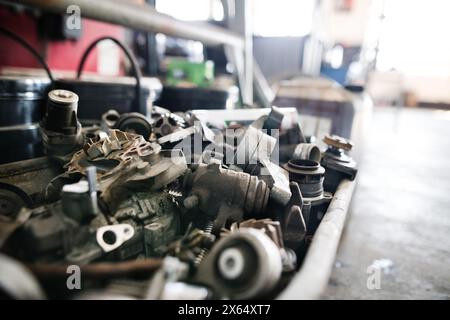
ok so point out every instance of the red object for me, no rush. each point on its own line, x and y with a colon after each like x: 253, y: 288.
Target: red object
x: 59, y: 55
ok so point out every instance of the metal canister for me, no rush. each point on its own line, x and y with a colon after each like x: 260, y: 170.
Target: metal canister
x: 22, y: 103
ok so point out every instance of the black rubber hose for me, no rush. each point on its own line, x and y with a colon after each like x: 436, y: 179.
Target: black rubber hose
x: 27, y: 46
x: 131, y: 58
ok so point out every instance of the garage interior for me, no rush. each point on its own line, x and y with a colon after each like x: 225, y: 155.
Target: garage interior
x: 343, y: 104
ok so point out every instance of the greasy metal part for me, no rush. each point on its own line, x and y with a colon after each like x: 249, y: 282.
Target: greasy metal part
x: 274, y: 231
x: 191, y: 244
x: 293, y: 135
x: 316, y: 268
x: 109, y: 119
x: 9, y: 224
x: 274, y: 119
x: 16, y: 282
x: 204, y: 250
x: 22, y: 101
x: 10, y: 204
x: 337, y: 163
x: 226, y: 195
x: 60, y: 128
x: 295, y: 218
x: 79, y: 200
x: 243, y: 265
x: 134, y: 122
x: 167, y: 124
x: 43, y: 233
x: 111, y: 237
x: 142, y: 17
x: 25, y: 179
x: 124, y: 160
x: 308, y: 174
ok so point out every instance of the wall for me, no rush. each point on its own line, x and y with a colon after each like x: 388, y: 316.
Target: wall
x: 278, y: 56
x: 346, y: 27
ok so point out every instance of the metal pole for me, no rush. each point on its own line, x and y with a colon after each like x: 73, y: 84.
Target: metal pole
x: 141, y: 17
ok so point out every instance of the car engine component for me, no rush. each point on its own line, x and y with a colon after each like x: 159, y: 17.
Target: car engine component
x: 225, y: 196
x: 339, y: 165
x: 165, y: 206
x: 243, y: 265
x: 61, y: 131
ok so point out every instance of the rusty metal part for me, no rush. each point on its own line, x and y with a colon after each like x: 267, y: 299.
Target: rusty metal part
x: 225, y: 195
x: 207, y: 232
x: 338, y: 142
x: 101, y: 270
x: 27, y: 179
x: 190, y: 246
x: 124, y: 159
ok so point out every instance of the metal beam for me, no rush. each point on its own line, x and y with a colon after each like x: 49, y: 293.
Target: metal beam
x: 141, y: 17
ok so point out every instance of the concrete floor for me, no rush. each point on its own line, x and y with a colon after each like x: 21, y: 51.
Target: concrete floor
x: 400, y: 211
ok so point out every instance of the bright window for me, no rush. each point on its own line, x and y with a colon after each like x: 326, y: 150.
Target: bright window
x: 191, y: 10
x: 282, y: 18
x: 415, y: 37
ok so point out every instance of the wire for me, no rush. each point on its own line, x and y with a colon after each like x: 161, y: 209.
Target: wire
x: 131, y: 58
x: 26, y: 45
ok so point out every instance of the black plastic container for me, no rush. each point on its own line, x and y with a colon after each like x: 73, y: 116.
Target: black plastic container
x: 22, y: 103
x: 99, y: 96
x: 184, y: 99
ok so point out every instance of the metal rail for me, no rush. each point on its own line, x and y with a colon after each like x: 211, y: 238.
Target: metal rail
x: 312, y: 278
x: 141, y: 17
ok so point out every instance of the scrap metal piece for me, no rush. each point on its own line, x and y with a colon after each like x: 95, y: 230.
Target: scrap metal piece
x: 79, y: 200
x: 246, y: 264
x: 109, y: 119
x: 167, y: 124
x: 277, y: 179
x: 125, y: 160
x: 111, y: 237
x: 338, y: 164
x: 60, y: 128
x: 308, y: 174
x: 134, y: 122
x: 226, y: 195
x: 273, y: 230
x: 338, y: 142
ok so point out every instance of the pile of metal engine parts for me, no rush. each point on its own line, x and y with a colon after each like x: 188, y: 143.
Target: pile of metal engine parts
x: 162, y: 207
